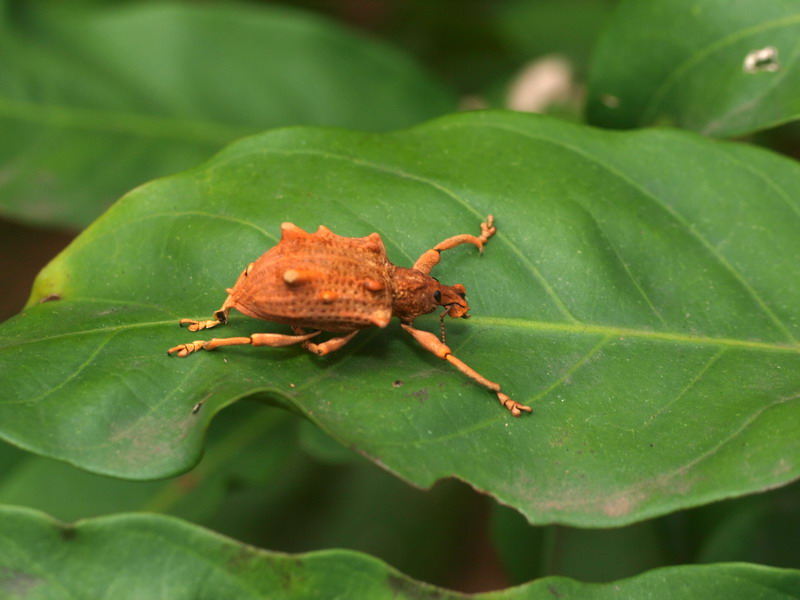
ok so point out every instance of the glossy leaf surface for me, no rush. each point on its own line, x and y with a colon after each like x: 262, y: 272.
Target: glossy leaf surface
x: 641, y: 294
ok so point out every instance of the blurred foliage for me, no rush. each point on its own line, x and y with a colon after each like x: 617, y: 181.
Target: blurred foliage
x: 301, y: 491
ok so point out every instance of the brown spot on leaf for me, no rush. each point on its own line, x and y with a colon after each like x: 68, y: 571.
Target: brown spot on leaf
x: 17, y: 584
x: 618, y: 506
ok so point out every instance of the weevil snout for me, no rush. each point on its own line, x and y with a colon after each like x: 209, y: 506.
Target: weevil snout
x: 453, y: 298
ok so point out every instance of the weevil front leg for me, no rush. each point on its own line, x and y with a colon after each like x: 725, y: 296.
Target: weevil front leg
x: 276, y: 340
x: 434, y: 345
x: 221, y: 315
x: 328, y: 346
x: 430, y: 258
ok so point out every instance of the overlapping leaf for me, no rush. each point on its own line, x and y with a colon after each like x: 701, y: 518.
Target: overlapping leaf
x: 722, y: 68
x: 641, y: 293
x: 148, y: 556
x: 95, y: 102
x: 254, y: 484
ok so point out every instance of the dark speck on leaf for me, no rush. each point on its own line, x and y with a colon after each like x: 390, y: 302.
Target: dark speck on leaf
x: 421, y: 395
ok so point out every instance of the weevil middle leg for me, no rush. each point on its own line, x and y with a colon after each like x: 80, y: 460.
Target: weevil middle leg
x: 276, y: 340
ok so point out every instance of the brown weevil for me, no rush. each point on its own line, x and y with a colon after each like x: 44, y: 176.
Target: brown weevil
x: 326, y: 282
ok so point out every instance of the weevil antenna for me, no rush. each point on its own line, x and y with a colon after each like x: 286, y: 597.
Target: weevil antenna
x: 441, y: 319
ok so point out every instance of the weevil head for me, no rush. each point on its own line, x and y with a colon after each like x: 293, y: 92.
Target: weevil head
x: 415, y: 294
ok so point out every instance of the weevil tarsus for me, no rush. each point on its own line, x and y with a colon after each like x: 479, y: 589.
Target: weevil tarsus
x: 220, y: 318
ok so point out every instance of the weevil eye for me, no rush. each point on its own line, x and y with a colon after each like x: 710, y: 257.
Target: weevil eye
x: 437, y: 295
x: 463, y: 295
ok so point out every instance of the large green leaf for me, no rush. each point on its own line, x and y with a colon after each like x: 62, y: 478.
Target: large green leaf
x: 96, y: 101
x: 641, y: 293
x: 682, y: 62
x: 149, y: 556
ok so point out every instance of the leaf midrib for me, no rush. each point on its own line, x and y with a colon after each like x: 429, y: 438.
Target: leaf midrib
x: 521, y: 324
x: 629, y: 332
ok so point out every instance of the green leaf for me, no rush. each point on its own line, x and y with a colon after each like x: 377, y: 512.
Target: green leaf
x: 236, y: 452
x: 149, y: 556
x: 640, y: 293
x: 96, y: 101
x: 682, y: 62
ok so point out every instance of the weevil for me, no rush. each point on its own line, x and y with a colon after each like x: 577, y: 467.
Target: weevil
x: 326, y: 282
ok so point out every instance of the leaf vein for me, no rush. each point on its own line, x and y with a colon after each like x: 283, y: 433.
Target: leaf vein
x: 714, y: 252
x: 689, y: 386
x: 573, y: 368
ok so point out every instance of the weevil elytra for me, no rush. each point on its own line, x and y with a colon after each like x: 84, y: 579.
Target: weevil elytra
x: 326, y: 282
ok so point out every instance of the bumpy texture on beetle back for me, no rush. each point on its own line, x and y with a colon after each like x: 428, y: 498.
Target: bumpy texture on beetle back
x: 319, y: 281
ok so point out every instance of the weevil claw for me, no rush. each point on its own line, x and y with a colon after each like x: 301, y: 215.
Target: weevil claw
x: 514, y: 407
x: 184, y: 350
x: 199, y: 325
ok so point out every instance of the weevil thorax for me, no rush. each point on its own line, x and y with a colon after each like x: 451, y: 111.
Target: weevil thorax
x: 414, y: 293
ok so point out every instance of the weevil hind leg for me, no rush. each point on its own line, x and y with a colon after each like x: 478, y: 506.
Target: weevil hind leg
x: 221, y: 315
x: 430, y: 258
x: 276, y: 340
x: 326, y: 347
x: 435, y: 346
